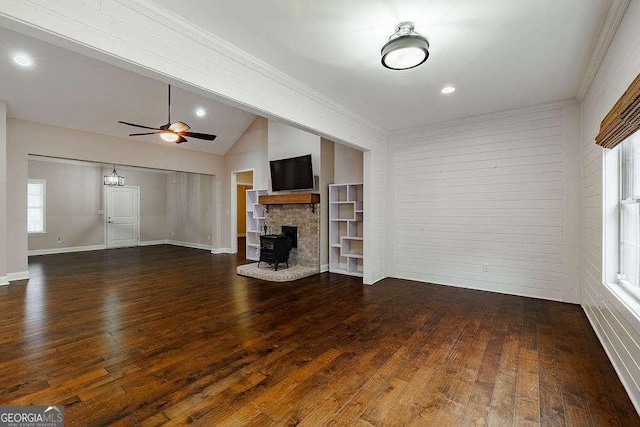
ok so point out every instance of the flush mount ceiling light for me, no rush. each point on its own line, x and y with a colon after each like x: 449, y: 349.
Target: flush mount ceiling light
x: 22, y: 60
x: 200, y: 112
x: 405, y: 49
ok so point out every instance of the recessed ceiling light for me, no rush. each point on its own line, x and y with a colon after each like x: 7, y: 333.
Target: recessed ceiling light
x: 22, y: 60
x: 447, y: 90
x: 200, y: 112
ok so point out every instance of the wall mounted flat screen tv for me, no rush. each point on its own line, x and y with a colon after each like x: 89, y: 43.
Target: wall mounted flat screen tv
x: 295, y: 173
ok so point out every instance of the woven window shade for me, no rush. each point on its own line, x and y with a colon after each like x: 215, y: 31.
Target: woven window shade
x: 623, y: 119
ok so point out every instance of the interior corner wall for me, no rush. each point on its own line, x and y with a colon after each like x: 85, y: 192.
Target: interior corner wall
x: 25, y: 137
x: 4, y: 247
x: 615, y: 324
x: 490, y: 202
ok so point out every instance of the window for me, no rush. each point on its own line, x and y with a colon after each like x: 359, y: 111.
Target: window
x: 629, y: 211
x: 36, y: 198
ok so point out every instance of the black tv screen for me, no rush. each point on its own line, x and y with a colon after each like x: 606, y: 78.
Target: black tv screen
x: 295, y: 173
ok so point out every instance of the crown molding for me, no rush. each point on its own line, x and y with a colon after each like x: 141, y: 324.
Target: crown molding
x: 612, y: 20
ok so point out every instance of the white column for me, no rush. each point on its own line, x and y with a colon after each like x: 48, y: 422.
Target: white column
x: 3, y: 194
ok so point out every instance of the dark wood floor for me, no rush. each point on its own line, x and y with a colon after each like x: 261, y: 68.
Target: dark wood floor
x: 164, y: 334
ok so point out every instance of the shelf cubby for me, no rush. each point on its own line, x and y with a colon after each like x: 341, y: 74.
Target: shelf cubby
x: 346, y: 230
x: 255, y: 223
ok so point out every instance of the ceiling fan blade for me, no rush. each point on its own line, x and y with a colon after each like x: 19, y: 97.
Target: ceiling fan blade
x: 146, y: 133
x: 181, y: 140
x: 206, y: 136
x: 138, y: 126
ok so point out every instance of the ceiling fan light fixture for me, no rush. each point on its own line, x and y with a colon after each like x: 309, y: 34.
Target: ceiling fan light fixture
x: 405, y: 49
x: 178, y: 127
x: 169, y: 136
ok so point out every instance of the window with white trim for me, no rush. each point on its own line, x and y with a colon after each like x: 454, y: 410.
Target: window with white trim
x: 629, y: 211
x: 36, y: 206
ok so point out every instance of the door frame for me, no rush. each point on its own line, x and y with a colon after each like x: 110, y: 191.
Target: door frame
x: 106, y: 211
x: 234, y: 205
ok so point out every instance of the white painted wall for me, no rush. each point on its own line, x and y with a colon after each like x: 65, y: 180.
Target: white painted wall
x: 500, y: 190
x: 348, y: 164
x: 24, y: 137
x: 190, y: 208
x: 174, y: 206
x: 73, y: 198
x: 617, y: 327
x: 248, y: 153
x: 286, y: 141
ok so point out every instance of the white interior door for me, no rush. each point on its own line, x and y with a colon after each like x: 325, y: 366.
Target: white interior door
x: 123, y: 213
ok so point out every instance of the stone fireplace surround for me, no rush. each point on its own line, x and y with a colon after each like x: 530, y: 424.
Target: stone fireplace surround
x: 307, y: 221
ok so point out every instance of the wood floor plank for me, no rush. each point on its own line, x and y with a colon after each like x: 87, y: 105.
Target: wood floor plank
x: 167, y: 336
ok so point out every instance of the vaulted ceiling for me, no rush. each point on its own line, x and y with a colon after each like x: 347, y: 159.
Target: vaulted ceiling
x: 67, y: 89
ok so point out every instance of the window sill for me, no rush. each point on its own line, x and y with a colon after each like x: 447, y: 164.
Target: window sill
x: 37, y: 234
x: 630, y: 298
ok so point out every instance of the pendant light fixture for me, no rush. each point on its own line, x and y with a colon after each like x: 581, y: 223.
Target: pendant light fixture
x: 405, y: 49
x: 113, y: 178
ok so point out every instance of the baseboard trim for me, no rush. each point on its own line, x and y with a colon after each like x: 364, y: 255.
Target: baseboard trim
x: 152, y: 242
x: 66, y: 250
x: 189, y: 245
x: 218, y: 251
x: 324, y: 268
x: 4, y: 280
x: 609, y: 349
x: 20, y: 275
x: 532, y: 293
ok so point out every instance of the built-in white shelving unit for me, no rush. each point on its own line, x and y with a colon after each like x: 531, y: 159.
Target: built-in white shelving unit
x: 255, y: 223
x: 346, y: 232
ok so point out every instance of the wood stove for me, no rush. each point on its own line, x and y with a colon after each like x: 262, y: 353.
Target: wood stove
x: 275, y: 249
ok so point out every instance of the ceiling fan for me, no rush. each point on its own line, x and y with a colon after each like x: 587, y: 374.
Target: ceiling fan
x: 171, y: 132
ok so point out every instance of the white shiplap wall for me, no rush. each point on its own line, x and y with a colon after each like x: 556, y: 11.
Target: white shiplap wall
x: 616, y: 325
x: 490, y: 202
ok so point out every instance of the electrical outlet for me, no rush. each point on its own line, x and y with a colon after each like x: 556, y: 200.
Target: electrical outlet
x: 173, y: 234
x: 485, y: 267
x: 208, y: 237
x: 59, y: 239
